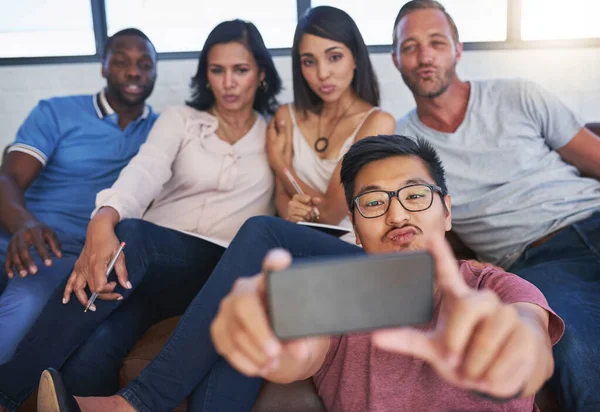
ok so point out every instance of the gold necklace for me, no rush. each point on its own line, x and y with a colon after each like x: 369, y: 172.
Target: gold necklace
x: 322, y: 142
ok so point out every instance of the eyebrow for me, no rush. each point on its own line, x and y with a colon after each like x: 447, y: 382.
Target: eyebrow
x: 436, y: 34
x: 234, y: 65
x: 328, y: 50
x: 408, y: 182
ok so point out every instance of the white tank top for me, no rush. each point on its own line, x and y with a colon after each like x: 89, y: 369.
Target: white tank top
x: 317, y: 172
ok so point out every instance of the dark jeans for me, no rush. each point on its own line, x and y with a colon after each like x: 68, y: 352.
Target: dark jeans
x: 188, y: 363
x: 22, y: 299
x: 567, y: 271
x: 166, y: 268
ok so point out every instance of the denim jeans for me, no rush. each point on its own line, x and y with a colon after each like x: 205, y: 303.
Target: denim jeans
x: 24, y: 298
x: 188, y: 364
x: 567, y: 270
x: 166, y: 268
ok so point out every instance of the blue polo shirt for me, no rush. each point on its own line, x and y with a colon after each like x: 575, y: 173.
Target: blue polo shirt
x: 82, y: 149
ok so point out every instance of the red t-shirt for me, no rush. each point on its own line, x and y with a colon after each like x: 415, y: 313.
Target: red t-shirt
x: 357, y: 377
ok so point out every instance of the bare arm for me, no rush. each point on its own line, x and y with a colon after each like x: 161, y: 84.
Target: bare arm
x: 583, y: 152
x: 332, y: 207
x: 281, y: 199
x: 17, y: 172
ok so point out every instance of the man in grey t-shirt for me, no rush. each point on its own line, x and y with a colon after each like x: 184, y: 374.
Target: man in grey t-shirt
x: 514, y: 157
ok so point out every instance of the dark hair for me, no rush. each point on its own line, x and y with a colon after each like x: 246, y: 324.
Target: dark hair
x: 246, y: 33
x: 423, y: 5
x: 125, y: 32
x: 381, y: 147
x: 334, y: 24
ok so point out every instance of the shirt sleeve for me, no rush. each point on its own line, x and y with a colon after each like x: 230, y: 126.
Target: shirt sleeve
x: 39, y: 135
x: 143, y: 178
x: 510, y: 288
x: 556, y: 122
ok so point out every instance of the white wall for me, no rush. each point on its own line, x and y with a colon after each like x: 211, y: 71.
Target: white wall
x: 572, y: 74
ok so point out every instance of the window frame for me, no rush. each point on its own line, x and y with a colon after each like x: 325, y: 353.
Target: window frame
x: 512, y: 42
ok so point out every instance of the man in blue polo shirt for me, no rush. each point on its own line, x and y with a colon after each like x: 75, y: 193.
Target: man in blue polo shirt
x: 67, y: 150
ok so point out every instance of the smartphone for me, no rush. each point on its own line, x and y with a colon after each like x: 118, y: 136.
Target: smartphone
x: 335, y: 296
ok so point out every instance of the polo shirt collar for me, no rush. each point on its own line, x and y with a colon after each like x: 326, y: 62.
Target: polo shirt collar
x: 103, y: 108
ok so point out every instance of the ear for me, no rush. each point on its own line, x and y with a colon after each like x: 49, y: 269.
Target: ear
x: 351, y: 217
x: 395, y: 59
x: 459, y: 52
x: 104, y: 69
x: 448, y: 213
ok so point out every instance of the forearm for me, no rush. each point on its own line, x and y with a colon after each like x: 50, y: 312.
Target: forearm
x: 105, y: 218
x: 13, y: 212
x: 282, y: 199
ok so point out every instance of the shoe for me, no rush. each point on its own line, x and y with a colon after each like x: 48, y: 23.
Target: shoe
x: 53, y: 396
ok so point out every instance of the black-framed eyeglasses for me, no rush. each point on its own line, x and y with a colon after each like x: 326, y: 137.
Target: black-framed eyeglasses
x: 413, y: 198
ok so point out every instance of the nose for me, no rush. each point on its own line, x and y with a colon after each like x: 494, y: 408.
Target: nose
x: 228, y: 80
x: 425, y: 55
x: 322, y: 71
x: 133, y: 72
x: 396, y: 215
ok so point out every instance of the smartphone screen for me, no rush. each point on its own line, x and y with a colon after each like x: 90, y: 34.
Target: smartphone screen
x: 346, y: 294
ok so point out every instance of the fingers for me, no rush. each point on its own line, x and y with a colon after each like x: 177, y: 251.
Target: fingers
x: 121, y: 271
x: 448, y: 277
x: 15, y: 259
x: 298, y: 211
x: 241, y: 331
x: 97, y: 279
x: 52, y: 240
x: 108, y: 292
x: 25, y: 257
x: 489, y: 337
x: 83, y: 298
x: 69, y: 287
x: 461, y: 319
x: 409, y: 342
x: 40, y: 245
x: 511, y: 367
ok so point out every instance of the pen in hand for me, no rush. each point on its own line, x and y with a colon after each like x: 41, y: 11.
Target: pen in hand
x: 111, y: 265
x: 299, y: 190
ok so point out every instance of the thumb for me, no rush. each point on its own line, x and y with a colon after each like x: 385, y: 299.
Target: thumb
x: 277, y: 259
x: 447, y: 275
x: 408, y: 342
x: 316, y: 201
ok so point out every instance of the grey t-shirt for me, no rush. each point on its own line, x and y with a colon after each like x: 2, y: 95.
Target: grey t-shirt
x: 509, y: 185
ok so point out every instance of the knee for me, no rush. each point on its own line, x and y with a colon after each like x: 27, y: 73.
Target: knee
x: 258, y: 227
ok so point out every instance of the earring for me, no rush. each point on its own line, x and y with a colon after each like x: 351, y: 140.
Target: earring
x: 208, y: 85
x: 264, y: 85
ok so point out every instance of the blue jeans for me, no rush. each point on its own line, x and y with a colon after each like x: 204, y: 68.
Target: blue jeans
x: 24, y: 298
x: 166, y: 268
x: 567, y: 270
x: 188, y: 364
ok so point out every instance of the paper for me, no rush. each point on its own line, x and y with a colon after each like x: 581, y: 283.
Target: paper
x: 338, y: 231
x: 224, y: 244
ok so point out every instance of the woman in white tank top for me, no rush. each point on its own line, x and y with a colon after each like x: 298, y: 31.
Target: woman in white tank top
x: 336, y: 99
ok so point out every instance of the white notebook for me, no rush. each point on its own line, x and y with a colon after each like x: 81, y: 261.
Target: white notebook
x: 337, y: 231
x: 223, y: 243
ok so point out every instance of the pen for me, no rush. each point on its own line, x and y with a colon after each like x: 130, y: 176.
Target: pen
x: 299, y: 189
x: 111, y: 265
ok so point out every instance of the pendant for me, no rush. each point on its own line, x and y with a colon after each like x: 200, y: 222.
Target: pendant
x: 321, y: 144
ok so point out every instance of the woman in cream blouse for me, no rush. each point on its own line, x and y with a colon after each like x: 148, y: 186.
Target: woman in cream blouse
x: 203, y: 170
